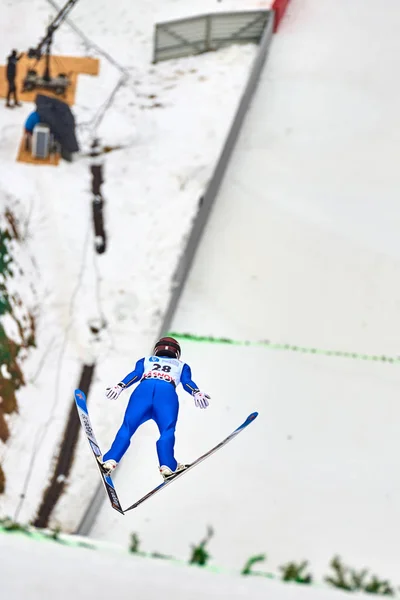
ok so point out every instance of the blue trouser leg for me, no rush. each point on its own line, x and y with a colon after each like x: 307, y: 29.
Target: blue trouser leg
x: 165, y: 414
x: 138, y: 411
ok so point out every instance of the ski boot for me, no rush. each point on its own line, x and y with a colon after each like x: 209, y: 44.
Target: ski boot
x: 107, y: 466
x: 167, y: 473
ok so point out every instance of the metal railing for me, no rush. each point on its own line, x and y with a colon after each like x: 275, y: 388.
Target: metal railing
x: 205, y: 33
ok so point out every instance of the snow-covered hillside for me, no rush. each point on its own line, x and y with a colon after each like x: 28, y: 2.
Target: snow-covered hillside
x: 54, y: 569
x: 172, y: 119
x: 301, y: 249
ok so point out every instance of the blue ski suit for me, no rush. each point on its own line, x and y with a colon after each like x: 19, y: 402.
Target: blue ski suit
x: 154, y: 398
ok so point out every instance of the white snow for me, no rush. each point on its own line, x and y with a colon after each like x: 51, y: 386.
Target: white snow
x: 301, y: 248
x: 152, y: 189
x: 51, y: 569
x: 307, y: 221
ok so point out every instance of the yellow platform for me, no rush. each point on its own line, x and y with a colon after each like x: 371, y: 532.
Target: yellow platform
x: 25, y: 156
x: 71, y: 65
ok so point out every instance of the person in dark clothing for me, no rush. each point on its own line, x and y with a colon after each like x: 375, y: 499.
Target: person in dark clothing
x: 12, y: 61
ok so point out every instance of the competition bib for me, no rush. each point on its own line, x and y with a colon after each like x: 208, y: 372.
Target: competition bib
x: 163, y: 368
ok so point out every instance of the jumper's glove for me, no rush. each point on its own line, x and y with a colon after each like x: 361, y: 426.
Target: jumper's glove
x: 201, y: 400
x: 115, y: 391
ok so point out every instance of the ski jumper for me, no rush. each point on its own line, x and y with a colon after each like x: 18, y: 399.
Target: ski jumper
x: 154, y: 398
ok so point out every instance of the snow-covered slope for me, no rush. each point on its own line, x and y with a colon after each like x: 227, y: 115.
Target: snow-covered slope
x: 51, y: 569
x: 307, y: 220
x: 301, y: 249
x: 171, y: 119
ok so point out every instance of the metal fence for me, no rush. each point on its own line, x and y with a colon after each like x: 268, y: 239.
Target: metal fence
x: 195, y: 35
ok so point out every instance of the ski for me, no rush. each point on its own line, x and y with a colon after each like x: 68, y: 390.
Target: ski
x: 163, y: 485
x: 80, y: 401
